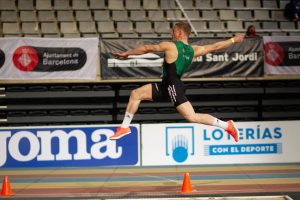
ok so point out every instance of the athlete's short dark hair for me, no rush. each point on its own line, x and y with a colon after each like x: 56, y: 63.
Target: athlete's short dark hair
x: 185, y: 27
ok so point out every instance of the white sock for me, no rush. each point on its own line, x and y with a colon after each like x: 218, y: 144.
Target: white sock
x: 219, y: 123
x: 127, y: 120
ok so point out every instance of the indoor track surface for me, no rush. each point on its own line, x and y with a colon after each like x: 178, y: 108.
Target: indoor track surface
x: 207, y: 181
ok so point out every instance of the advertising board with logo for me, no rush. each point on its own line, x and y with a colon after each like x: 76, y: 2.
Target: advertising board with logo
x: 2, y: 58
x: 239, y: 60
x: 48, y: 58
x: 282, y: 54
x: 67, y: 146
x: 195, y: 144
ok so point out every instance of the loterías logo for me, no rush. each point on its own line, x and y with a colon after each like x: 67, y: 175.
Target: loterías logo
x: 180, y: 142
x: 66, y: 146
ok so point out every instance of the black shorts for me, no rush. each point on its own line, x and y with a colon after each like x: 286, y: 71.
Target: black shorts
x: 169, y: 91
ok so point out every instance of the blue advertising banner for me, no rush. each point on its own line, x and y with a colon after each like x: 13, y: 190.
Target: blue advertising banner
x: 67, y: 146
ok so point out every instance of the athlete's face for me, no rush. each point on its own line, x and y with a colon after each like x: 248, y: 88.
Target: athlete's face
x: 176, y: 33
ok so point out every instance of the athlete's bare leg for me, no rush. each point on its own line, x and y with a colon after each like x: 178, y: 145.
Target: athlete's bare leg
x: 187, y: 111
x: 137, y: 95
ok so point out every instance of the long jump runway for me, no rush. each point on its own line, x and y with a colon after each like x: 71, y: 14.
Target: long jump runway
x: 146, y: 182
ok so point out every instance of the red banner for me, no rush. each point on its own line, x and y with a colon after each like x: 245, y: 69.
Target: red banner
x: 48, y: 58
x: 282, y: 55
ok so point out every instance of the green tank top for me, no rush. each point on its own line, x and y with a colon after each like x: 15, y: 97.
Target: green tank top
x: 185, y: 57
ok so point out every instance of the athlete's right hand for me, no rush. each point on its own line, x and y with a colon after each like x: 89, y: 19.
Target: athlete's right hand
x: 239, y: 38
x: 120, y: 55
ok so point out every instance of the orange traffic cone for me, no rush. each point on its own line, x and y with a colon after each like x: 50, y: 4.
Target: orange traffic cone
x: 6, y: 190
x: 186, y: 186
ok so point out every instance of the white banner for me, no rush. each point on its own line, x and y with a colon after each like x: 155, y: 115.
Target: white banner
x: 282, y: 54
x: 48, y: 58
x: 195, y: 144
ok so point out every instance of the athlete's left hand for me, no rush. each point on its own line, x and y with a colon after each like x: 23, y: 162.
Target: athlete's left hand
x: 120, y: 55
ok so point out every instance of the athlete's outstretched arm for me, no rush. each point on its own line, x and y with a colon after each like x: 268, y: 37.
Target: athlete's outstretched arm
x: 202, y: 50
x: 163, y: 46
